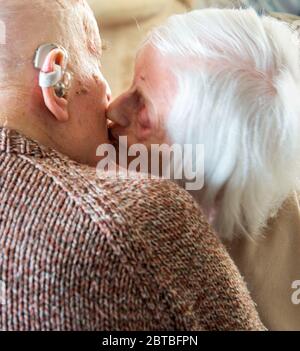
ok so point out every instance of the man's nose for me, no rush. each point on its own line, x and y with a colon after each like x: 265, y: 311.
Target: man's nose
x: 117, y: 114
x: 105, y: 86
x: 108, y: 91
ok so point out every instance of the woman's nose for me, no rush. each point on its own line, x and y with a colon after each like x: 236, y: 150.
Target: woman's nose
x: 116, y: 113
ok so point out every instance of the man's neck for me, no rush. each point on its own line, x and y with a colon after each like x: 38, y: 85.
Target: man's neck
x: 30, y: 124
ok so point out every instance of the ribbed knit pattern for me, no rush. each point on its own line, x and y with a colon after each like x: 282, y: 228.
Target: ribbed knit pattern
x: 79, y: 252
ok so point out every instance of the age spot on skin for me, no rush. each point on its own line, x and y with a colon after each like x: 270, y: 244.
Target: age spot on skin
x: 96, y: 78
x: 82, y: 90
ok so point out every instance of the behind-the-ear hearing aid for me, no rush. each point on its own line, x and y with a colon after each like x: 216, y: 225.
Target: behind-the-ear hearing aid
x: 59, y: 79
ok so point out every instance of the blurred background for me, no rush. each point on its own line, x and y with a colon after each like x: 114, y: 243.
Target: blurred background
x: 124, y: 24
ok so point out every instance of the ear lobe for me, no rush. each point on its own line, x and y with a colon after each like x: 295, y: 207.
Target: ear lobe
x: 58, y: 106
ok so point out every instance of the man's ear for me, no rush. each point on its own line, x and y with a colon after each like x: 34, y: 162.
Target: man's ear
x: 55, y: 63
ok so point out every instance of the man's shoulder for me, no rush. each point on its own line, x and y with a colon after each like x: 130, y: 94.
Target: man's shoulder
x: 136, y: 208
x: 117, y: 195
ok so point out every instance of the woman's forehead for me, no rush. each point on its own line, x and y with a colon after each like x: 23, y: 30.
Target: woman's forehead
x: 150, y: 63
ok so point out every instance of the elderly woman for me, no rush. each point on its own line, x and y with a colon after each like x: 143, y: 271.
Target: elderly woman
x: 123, y: 25
x: 77, y: 251
x: 229, y: 79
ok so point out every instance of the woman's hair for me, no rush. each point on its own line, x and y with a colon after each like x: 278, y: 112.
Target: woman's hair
x: 238, y: 94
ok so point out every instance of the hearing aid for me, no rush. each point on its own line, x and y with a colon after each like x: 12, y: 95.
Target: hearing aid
x: 59, y: 78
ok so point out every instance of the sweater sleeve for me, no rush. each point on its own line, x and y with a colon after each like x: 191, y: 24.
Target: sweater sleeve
x: 123, y: 300
x: 181, y: 272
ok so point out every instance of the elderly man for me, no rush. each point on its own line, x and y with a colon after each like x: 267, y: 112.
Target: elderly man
x: 78, y: 252
x: 229, y: 79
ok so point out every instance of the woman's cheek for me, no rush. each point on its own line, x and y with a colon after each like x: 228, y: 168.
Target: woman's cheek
x: 144, y: 118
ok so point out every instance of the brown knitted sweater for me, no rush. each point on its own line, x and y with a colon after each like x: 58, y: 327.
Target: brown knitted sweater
x: 82, y: 253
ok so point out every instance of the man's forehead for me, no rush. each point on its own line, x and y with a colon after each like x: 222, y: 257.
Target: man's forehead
x: 67, y: 3
x: 70, y: 23
x: 92, y: 33
x: 38, y: 5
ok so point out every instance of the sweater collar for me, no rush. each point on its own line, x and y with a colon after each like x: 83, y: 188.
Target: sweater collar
x: 13, y: 142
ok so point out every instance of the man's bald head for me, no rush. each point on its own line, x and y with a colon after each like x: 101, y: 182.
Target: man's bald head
x: 74, y: 123
x: 69, y: 23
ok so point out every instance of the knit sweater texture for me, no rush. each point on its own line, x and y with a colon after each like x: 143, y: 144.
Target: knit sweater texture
x: 81, y: 251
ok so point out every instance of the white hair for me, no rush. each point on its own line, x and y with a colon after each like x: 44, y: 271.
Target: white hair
x: 239, y: 95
